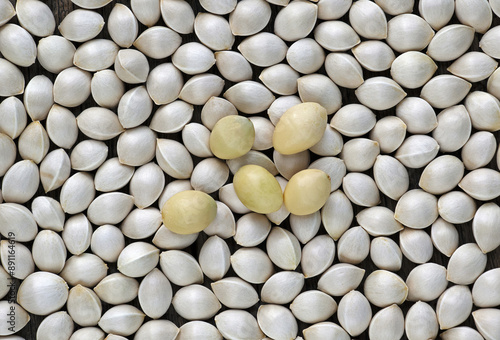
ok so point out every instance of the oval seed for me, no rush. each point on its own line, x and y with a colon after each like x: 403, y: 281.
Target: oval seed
x: 307, y: 191
x: 189, y: 212
x: 232, y: 137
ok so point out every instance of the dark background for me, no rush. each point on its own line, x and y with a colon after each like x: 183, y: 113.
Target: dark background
x: 61, y: 8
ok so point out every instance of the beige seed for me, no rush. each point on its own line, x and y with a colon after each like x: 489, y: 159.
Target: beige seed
x: 485, y: 320
x: 359, y: 154
x: 263, y: 49
x: 107, y: 242
x: 484, y: 111
x: 283, y: 248
x: 17, y: 219
x: 479, y: 150
x: 252, y: 265
x: 361, y: 189
x: 85, y: 269
x: 325, y: 330
x: 238, y: 324
x: 391, y: 176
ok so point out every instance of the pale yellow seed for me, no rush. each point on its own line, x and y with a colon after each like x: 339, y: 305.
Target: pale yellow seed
x: 257, y: 189
x: 189, y: 212
x: 300, y: 127
x: 307, y: 191
x: 232, y: 137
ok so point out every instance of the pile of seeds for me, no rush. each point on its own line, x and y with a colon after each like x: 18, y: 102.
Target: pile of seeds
x: 246, y: 170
